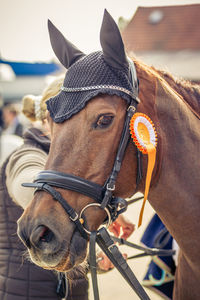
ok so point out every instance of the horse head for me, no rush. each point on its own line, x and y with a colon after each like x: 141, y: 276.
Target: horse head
x: 86, y: 119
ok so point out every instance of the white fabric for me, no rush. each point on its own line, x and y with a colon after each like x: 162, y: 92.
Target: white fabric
x: 8, y: 143
x: 175, y: 247
x: 23, y: 166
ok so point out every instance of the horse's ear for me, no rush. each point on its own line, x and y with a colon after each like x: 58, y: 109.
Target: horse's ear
x: 111, y: 43
x: 65, y: 51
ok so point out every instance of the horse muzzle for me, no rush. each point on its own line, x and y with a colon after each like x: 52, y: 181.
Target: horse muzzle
x: 51, y: 247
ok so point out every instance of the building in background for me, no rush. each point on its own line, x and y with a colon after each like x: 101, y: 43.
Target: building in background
x: 167, y: 37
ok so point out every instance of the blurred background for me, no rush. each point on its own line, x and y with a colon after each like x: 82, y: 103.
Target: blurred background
x: 165, y: 34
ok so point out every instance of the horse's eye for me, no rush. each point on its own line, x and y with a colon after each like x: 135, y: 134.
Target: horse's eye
x: 104, y: 121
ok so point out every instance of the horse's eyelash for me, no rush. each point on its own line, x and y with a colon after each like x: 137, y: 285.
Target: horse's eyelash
x: 95, y: 124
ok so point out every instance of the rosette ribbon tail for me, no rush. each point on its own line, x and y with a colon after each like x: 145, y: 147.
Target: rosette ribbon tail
x: 151, y: 151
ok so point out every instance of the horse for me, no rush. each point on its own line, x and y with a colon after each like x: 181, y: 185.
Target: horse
x: 87, y: 121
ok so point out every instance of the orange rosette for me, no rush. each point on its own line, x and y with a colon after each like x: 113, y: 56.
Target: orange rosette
x: 144, y: 136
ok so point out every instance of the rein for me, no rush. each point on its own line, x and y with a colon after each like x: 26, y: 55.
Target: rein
x: 103, y: 196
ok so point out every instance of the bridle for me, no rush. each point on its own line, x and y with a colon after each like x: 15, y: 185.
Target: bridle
x: 103, y: 196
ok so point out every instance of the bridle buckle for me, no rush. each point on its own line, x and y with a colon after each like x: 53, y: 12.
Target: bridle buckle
x: 111, y: 247
x: 75, y: 218
x: 110, y: 187
x: 131, y: 107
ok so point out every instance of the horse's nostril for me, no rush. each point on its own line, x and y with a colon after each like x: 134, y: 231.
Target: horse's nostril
x: 41, y: 234
x: 46, y: 235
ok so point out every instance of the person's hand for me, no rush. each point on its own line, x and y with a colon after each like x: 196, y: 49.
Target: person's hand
x: 104, y: 263
x: 127, y: 228
x: 123, y: 225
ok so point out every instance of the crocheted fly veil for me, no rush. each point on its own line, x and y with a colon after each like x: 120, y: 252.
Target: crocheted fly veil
x: 102, y: 72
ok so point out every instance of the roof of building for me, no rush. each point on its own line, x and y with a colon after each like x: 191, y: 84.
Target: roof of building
x: 164, y: 28
x: 32, y: 69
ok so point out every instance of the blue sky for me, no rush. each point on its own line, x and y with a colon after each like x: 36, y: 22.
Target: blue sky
x: 23, y: 29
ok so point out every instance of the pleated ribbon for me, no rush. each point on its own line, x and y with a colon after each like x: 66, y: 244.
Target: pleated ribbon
x: 145, y: 138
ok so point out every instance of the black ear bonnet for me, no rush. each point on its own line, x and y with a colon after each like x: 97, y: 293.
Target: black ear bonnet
x: 101, y: 72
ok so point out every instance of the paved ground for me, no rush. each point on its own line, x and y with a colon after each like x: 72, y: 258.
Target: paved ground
x: 112, y: 285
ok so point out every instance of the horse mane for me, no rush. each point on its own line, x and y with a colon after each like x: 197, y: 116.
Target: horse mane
x: 189, y: 91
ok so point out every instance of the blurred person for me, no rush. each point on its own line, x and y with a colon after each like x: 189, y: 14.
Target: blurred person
x: 1, y: 123
x: 1, y: 119
x: 19, y: 278
x: 12, y: 124
x: 24, y: 280
x: 1, y: 112
x: 8, y: 142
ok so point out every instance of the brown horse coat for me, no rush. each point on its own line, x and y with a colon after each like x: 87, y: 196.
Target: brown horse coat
x: 83, y: 146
